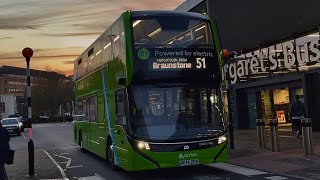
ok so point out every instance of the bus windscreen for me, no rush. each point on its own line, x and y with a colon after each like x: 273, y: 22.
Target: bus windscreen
x: 174, y: 113
x: 175, y: 46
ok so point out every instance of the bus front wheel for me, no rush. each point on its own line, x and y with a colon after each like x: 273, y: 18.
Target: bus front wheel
x: 81, y: 143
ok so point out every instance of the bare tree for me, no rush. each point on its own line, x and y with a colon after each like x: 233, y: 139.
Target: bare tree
x: 51, y: 91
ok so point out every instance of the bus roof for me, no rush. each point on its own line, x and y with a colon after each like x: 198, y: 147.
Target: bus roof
x: 136, y: 14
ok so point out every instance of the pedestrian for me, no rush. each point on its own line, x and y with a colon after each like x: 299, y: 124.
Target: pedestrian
x: 297, y: 112
x: 70, y: 118
x: 4, y: 151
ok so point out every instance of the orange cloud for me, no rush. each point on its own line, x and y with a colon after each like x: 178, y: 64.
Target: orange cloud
x: 62, y: 30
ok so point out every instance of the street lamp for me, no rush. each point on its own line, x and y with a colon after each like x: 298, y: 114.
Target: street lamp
x: 27, y: 53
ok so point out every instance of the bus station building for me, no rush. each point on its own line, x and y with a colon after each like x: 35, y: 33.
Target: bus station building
x: 277, y: 57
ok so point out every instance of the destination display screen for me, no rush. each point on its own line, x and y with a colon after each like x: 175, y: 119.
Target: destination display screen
x: 176, y: 60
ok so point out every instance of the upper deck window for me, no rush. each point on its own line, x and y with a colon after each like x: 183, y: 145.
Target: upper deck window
x: 90, y: 52
x: 171, y: 31
x: 79, y: 61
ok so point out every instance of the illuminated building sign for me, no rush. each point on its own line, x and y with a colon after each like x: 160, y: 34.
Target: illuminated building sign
x: 299, y: 54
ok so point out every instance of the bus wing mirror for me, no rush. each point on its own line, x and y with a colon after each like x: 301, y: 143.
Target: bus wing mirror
x: 122, y: 81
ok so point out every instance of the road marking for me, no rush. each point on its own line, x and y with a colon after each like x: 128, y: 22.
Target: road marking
x: 69, y: 160
x: 54, y: 153
x: 71, y: 167
x: 95, y: 177
x: 276, y: 178
x: 237, y: 169
x: 96, y: 174
x: 58, y: 166
x: 24, y: 136
x: 71, y: 147
x: 206, y: 177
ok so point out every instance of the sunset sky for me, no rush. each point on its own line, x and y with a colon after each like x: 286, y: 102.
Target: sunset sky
x: 58, y: 31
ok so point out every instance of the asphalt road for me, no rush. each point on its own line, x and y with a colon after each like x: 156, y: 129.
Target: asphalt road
x: 56, y: 140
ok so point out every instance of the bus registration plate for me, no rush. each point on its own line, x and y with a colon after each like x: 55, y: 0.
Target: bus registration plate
x: 188, y: 162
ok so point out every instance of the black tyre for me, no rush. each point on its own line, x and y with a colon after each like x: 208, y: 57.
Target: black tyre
x: 82, y: 149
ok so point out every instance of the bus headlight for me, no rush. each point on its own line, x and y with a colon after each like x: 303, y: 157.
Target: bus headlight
x: 143, y: 145
x: 222, y: 139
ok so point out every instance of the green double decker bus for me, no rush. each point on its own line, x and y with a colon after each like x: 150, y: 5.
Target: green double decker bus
x: 147, y: 92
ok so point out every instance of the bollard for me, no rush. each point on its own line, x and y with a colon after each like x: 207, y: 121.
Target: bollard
x: 261, y: 134
x: 31, y: 157
x: 307, y: 136
x: 274, y: 135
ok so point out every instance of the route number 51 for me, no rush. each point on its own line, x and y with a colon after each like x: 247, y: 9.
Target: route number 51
x: 201, y: 63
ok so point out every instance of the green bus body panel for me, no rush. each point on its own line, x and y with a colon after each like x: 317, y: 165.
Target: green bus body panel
x: 129, y: 54
x: 128, y: 159
x: 217, y: 41
x: 131, y: 160
x: 95, y: 134
x: 171, y: 159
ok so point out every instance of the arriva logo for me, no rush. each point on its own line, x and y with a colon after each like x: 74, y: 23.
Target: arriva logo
x: 182, y: 156
x: 143, y: 54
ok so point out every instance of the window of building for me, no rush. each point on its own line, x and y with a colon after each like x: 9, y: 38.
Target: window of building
x: 2, y: 107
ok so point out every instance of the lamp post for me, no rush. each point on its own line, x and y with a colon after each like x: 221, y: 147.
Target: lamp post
x: 27, y: 53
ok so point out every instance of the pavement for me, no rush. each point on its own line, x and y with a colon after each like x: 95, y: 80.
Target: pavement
x: 44, y: 167
x: 290, y: 160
